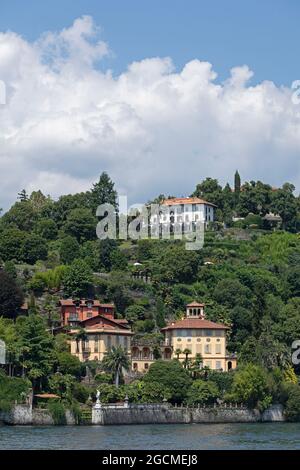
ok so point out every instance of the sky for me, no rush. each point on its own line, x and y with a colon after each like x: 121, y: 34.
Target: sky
x: 160, y: 94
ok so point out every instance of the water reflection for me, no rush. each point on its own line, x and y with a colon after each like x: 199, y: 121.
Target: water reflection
x: 194, y: 436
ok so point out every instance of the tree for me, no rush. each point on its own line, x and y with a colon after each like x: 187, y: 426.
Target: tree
x: 81, y: 224
x: 250, y: 385
x: 21, y: 215
x: 237, y: 186
x: 10, y: 268
x: 69, y: 250
x: 11, y: 244
x: 11, y: 296
x: 177, y: 353
x: 22, y: 195
x: 114, y: 361
x: 172, y: 376
x: 102, y: 192
x: 118, y: 260
x: 203, y: 392
x: 38, y: 355
x: 210, y: 190
x: 47, y: 229
x: 34, y: 249
x: 154, y: 392
x: 69, y: 364
x: 186, y: 352
x: 80, y: 336
x: 77, y: 279
x: 292, y: 407
x: 106, y: 246
x: 230, y: 292
x: 284, y: 203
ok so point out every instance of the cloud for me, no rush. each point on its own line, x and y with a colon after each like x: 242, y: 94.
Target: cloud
x: 154, y: 129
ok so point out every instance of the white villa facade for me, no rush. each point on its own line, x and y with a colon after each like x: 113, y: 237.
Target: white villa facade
x: 183, y: 212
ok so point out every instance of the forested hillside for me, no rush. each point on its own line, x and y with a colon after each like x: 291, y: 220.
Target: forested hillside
x: 248, y: 274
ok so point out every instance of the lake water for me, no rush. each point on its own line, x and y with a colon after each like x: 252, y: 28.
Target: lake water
x: 181, y: 436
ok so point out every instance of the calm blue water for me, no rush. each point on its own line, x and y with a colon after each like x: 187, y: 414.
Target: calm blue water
x: 181, y: 436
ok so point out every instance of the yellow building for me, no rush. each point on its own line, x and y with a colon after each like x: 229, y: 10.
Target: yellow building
x: 143, y: 355
x: 100, y: 334
x: 199, y: 336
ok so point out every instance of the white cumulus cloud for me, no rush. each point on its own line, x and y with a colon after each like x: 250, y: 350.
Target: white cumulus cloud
x: 152, y: 128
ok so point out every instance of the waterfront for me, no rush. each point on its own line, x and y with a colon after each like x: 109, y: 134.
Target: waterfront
x: 193, y: 436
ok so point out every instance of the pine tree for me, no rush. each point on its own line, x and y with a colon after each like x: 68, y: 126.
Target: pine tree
x: 103, y: 192
x: 22, y: 195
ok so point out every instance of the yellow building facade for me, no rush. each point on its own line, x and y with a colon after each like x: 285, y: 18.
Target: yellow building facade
x: 189, y: 337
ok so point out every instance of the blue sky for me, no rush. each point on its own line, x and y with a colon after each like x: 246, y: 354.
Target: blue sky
x: 260, y: 33
x: 159, y: 93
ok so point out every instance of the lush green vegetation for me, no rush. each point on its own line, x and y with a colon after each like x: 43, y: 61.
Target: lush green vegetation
x: 247, y: 274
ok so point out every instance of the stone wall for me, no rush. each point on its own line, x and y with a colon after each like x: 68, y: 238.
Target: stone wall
x: 164, y: 414
x: 25, y: 414
x: 147, y: 414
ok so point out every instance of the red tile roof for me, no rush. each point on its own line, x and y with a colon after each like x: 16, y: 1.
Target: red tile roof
x: 83, y: 302
x: 102, y: 320
x: 195, y: 323
x: 195, y: 304
x: 186, y: 200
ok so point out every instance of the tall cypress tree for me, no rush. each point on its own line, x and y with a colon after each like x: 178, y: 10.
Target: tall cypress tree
x: 237, y: 186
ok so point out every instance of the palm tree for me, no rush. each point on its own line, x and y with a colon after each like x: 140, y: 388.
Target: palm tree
x: 197, y: 365
x: 178, y: 352
x: 186, y: 352
x: 114, y: 361
x: 80, y: 336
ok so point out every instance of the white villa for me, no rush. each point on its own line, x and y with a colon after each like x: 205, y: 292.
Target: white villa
x: 183, y: 212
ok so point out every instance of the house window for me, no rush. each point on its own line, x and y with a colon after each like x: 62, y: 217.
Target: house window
x: 208, y: 333
x: 207, y: 349
x: 198, y: 340
x: 135, y: 366
x: 218, y: 348
x: 96, y: 347
x: 218, y: 365
x: 146, y: 366
x: 178, y: 339
x: 189, y: 340
x: 89, y: 314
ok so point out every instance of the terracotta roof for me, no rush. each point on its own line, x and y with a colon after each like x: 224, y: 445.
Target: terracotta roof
x: 195, y: 304
x: 46, y: 395
x: 186, y: 200
x: 195, y: 323
x: 83, y: 302
x: 102, y: 319
x: 107, y: 305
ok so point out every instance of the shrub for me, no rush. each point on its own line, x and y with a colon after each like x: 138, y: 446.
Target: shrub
x: 80, y: 392
x: 292, y: 408
x: 57, y: 411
